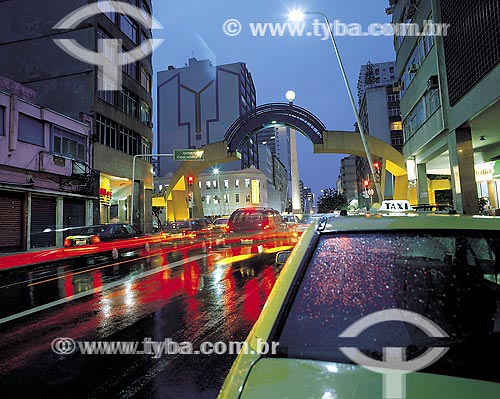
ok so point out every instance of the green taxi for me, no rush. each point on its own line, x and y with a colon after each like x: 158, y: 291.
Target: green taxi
x: 439, y: 269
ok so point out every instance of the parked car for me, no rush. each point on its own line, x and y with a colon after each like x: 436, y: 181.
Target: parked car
x: 124, y: 238
x: 372, y: 283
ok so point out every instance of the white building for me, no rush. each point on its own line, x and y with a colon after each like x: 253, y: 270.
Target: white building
x: 227, y: 191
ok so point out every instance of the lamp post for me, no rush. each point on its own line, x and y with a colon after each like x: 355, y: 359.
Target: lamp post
x: 217, y: 173
x: 298, y: 16
x: 294, y: 162
x: 134, y: 159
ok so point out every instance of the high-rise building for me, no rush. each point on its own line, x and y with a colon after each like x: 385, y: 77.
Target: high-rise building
x: 381, y: 117
x: 120, y: 119
x: 277, y: 188
x: 450, y: 101
x: 196, y: 106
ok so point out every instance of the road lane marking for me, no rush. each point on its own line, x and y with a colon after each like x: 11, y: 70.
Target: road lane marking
x: 88, y: 270
x: 102, y: 288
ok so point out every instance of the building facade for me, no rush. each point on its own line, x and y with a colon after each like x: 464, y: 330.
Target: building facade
x: 196, y: 106
x: 450, y: 99
x: 46, y: 184
x: 227, y: 191
x: 121, y: 126
x: 380, y: 115
x: 277, y: 178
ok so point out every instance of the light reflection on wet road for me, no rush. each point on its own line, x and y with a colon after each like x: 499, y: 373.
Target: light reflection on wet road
x: 195, y: 297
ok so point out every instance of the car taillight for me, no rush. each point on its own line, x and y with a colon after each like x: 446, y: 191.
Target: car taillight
x: 67, y: 242
x: 95, y: 240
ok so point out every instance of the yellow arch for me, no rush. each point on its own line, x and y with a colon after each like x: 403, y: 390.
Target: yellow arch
x: 341, y: 142
x: 334, y: 142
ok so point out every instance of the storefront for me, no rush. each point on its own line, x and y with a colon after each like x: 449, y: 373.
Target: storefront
x: 488, y: 183
x: 114, y: 198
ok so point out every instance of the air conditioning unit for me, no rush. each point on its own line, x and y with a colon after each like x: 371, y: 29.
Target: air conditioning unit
x: 397, y: 87
x: 413, y: 68
x: 433, y: 83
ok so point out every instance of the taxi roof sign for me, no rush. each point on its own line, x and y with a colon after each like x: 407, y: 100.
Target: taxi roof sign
x: 395, y: 206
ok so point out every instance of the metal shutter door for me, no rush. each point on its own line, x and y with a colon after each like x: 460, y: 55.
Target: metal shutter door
x: 11, y: 221
x: 43, y: 222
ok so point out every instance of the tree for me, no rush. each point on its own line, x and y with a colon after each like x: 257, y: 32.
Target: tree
x: 331, y: 200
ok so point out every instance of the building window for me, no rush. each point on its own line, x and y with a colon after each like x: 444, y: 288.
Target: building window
x: 394, y: 111
x: 237, y: 183
x: 109, y: 14
x: 146, y: 149
x: 145, y: 79
x: 69, y: 144
x: 129, y: 102
x: 129, y: 27
x: 2, y: 121
x: 104, y: 45
x: 237, y: 198
x: 393, y: 98
x: 128, y: 141
x: 226, y: 198
x: 108, y: 89
x: 208, y: 184
x: 226, y: 183
x: 207, y: 198
x: 395, y: 126
x: 106, y: 130
x: 424, y: 109
x: 129, y: 65
x: 145, y: 112
x: 146, y: 12
x: 30, y: 130
x: 247, y: 183
x: 248, y: 198
x: 214, y: 184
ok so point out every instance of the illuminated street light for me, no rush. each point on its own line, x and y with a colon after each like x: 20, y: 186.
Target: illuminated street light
x: 216, y: 172
x: 290, y: 95
x: 298, y: 16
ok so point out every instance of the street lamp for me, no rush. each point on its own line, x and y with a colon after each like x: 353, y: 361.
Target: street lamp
x: 290, y: 96
x: 216, y: 172
x: 298, y: 16
x: 134, y: 159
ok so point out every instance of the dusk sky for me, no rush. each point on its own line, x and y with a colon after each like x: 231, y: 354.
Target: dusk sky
x: 306, y: 65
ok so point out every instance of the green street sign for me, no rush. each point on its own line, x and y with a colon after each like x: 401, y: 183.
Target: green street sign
x: 189, y: 155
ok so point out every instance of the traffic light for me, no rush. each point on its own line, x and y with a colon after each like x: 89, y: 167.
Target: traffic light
x: 376, y: 166
x: 190, y: 180
x: 366, y: 183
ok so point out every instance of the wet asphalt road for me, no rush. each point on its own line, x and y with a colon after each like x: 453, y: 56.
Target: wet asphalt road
x: 191, y: 297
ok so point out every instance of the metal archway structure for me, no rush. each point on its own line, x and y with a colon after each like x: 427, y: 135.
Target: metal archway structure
x: 266, y: 115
